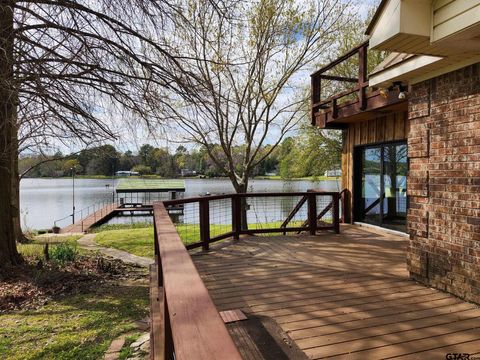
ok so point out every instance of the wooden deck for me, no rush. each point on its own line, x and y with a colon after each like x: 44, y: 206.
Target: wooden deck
x: 345, y: 296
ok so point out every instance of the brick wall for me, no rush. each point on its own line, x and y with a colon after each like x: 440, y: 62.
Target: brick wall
x: 444, y: 182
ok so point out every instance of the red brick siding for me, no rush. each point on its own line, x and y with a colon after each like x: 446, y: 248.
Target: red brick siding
x: 444, y: 182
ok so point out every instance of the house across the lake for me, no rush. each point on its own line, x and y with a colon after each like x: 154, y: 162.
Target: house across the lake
x: 126, y: 173
x: 411, y: 151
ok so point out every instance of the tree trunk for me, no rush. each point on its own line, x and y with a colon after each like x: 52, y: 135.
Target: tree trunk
x: 242, y: 188
x: 18, y: 233
x: 8, y: 100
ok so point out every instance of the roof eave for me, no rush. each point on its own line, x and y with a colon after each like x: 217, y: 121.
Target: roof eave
x: 375, y: 17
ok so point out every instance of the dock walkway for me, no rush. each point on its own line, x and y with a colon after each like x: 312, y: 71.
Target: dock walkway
x: 87, y: 222
x: 102, y: 215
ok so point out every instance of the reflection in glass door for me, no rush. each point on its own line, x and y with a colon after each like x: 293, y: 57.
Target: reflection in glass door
x: 372, y: 184
x: 382, y: 180
x: 395, y: 186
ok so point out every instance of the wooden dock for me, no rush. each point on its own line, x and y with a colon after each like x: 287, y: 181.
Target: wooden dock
x: 345, y: 296
x: 102, y: 215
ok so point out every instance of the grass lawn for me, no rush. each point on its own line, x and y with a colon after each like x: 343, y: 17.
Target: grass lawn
x: 135, y: 241
x: 76, y: 327
x: 35, y: 248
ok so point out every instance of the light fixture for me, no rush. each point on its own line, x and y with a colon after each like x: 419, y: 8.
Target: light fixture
x: 402, y: 94
x: 383, y: 92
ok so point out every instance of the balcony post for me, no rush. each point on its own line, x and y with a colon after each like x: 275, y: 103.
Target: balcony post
x: 362, y: 76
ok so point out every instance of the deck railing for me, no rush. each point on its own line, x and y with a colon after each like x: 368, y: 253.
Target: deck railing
x: 208, y: 219
x: 359, y: 84
x: 185, y: 323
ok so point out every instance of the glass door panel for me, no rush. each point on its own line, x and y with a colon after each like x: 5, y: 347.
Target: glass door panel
x: 395, y: 186
x: 383, y: 181
x: 371, y: 184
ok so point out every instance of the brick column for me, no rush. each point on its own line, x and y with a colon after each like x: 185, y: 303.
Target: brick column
x: 444, y: 182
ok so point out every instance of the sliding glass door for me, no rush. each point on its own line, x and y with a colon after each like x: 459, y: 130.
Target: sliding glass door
x: 381, y: 185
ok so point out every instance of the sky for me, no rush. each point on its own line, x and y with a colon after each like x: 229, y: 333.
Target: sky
x: 131, y: 138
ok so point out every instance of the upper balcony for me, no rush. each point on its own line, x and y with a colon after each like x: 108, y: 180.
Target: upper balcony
x: 359, y: 100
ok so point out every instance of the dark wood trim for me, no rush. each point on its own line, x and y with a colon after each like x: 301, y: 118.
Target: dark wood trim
x: 338, y: 78
x: 274, y: 230
x: 341, y: 59
x: 337, y: 110
x: 241, y: 195
x: 294, y: 212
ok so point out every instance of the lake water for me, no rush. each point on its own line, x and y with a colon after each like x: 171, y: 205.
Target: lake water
x: 42, y: 201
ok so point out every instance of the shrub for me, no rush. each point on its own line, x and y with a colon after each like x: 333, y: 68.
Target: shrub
x: 63, y: 253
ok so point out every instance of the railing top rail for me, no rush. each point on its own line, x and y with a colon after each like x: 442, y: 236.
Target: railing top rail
x: 103, y: 202
x: 341, y: 59
x: 198, y: 330
x: 246, y: 195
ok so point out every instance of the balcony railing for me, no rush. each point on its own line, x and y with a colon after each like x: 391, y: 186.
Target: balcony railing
x: 333, y: 111
x: 185, y: 323
x: 360, y: 82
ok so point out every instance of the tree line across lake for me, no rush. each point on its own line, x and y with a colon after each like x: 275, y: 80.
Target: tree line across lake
x: 308, y: 154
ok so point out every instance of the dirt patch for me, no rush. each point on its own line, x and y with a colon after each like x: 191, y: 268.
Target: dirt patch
x: 35, y: 282
x: 260, y: 338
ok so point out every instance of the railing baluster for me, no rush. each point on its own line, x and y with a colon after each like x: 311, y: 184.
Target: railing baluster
x: 312, y: 212
x: 336, y: 218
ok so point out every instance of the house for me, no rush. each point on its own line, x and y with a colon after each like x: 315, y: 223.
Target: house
x: 126, y: 173
x: 411, y: 149
x: 187, y: 172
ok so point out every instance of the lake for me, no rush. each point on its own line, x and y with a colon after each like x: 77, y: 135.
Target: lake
x: 42, y: 201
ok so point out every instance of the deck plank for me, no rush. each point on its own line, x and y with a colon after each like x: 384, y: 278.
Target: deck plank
x: 344, y: 296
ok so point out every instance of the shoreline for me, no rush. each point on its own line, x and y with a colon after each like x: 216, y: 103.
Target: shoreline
x: 155, y: 177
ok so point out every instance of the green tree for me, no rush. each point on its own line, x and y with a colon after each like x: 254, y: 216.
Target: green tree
x: 142, y: 169
x: 243, y: 86
x: 70, y: 164
x: 145, y: 152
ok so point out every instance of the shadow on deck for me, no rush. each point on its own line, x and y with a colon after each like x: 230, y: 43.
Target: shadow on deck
x: 345, y: 296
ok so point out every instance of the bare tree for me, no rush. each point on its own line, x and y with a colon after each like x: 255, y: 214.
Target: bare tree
x: 246, y: 89
x: 71, y: 69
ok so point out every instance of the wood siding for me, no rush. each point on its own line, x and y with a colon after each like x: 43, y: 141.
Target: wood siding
x: 394, y: 126
x: 451, y: 16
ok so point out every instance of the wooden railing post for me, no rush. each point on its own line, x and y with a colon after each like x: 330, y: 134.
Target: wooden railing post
x: 362, y: 76
x: 169, y: 345
x: 204, y: 212
x: 312, y: 212
x: 335, y: 215
x: 236, y: 216
x: 155, y: 240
